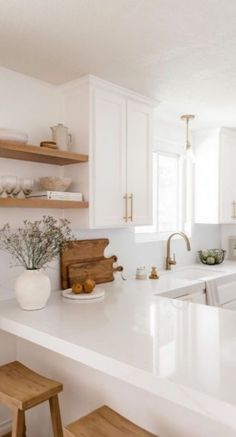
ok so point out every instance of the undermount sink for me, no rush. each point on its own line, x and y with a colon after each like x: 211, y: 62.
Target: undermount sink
x: 195, y: 273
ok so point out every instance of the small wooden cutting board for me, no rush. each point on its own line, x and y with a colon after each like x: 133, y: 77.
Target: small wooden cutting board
x: 85, y: 258
x: 101, y: 271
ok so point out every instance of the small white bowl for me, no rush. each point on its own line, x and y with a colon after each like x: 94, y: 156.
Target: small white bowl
x: 13, y: 135
x: 49, y: 183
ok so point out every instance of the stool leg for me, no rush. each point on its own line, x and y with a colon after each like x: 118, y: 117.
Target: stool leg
x: 18, y: 427
x: 56, y: 416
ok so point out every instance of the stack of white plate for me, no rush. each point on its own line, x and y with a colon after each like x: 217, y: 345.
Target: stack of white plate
x: 13, y: 135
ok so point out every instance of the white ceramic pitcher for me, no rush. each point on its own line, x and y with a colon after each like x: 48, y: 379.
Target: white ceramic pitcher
x: 61, y: 136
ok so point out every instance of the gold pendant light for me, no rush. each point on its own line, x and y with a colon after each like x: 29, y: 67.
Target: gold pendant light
x: 188, y: 146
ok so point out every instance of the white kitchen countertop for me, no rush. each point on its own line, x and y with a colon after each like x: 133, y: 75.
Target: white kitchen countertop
x: 181, y: 351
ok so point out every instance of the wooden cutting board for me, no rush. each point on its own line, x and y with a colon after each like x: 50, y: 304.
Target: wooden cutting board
x: 101, y: 271
x: 84, y: 258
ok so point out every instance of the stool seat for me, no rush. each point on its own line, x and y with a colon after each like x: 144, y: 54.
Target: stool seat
x: 22, y: 388
x: 105, y: 422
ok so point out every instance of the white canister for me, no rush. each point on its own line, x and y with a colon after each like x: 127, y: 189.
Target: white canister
x: 141, y: 273
x: 32, y: 289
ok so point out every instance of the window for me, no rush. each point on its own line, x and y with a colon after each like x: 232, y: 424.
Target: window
x: 168, y: 196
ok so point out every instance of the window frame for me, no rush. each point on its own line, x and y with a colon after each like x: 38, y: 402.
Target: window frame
x: 152, y: 232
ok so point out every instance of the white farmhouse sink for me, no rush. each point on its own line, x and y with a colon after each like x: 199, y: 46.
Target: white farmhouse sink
x: 195, y: 273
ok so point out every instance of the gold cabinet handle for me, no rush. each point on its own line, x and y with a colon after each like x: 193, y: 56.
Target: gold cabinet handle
x: 131, y: 198
x: 125, y: 197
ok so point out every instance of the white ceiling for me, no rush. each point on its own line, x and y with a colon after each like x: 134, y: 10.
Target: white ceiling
x: 182, y: 52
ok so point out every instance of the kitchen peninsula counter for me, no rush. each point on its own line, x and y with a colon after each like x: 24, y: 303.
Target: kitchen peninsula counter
x: 177, y: 350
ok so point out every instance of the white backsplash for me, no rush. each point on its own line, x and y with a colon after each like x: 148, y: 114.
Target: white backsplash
x: 130, y: 253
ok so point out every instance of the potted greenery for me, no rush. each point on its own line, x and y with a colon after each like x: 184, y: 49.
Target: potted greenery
x: 33, y: 246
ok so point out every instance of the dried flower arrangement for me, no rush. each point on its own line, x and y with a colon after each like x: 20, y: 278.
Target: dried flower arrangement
x: 36, y: 243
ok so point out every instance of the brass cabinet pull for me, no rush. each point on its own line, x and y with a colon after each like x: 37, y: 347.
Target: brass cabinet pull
x: 125, y: 197
x: 234, y: 211
x: 131, y: 198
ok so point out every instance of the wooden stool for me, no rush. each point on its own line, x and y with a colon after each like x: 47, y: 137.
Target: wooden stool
x: 21, y: 389
x: 105, y: 422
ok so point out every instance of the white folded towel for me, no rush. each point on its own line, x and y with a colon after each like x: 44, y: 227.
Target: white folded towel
x: 221, y: 291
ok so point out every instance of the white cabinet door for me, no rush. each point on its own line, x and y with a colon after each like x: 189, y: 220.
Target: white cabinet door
x: 109, y: 159
x: 228, y: 177
x: 139, y: 169
x: 207, y: 176
x: 215, y: 176
x: 199, y: 297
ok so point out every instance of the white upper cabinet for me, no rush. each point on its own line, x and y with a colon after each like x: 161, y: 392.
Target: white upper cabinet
x: 227, y: 176
x: 215, y: 187
x: 109, y: 159
x: 139, y: 163
x: 115, y: 126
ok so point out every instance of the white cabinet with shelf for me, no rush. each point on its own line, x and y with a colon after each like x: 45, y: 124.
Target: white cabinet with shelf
x: 114, y: 125
x: 215, y: 187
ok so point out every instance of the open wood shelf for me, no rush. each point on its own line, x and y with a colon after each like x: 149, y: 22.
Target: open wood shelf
x: 27, y: 152
x: 41, y: 203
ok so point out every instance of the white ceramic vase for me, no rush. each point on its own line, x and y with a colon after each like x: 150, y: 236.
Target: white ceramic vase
x: 32, y: 289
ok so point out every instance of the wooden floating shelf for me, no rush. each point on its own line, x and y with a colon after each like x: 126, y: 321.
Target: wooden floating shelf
x: 41, y: 203
x: 27, y: 152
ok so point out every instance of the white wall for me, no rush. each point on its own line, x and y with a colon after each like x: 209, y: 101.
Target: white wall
x: 33, y: 106
x: 28, y: 104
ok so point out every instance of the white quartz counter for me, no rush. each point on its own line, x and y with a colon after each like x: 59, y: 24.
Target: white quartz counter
x: 183, y: 352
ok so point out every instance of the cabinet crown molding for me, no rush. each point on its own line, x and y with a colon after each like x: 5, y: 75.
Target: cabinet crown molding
x: 228, y: 131
x: 92, y: 80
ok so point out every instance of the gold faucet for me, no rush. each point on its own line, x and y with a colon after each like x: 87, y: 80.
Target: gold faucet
x: 171, y: 261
